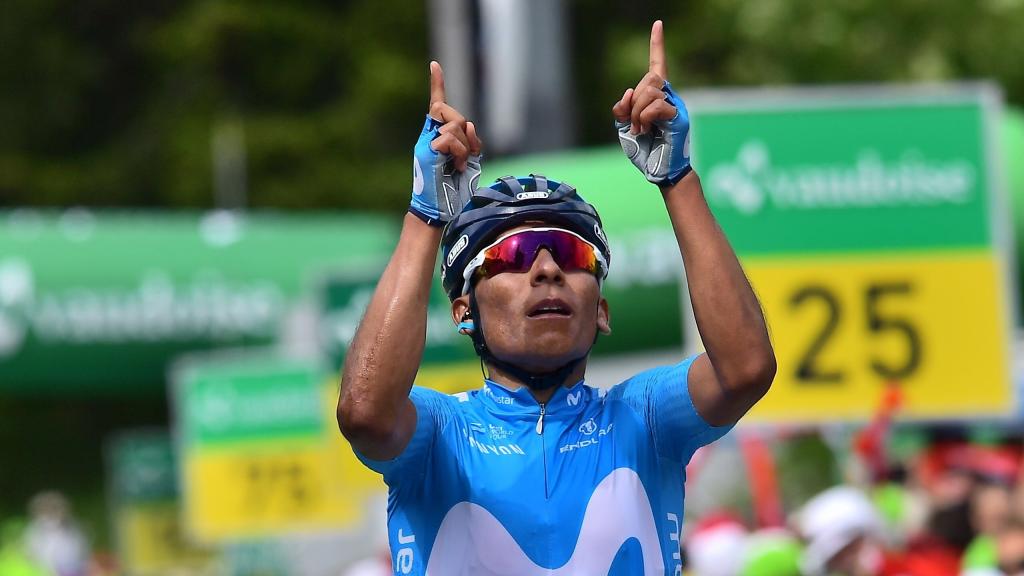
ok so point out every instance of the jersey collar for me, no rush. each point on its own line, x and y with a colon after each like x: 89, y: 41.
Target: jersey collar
x: 567, y: 400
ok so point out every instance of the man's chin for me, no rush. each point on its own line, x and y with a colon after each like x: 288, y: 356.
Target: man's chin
x: 543, y: 364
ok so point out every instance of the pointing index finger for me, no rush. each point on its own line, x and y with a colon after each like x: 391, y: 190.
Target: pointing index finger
x: 436, y: 84
x: 657, y: 64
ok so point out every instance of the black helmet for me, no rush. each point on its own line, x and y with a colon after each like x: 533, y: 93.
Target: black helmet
x: 505, y: 204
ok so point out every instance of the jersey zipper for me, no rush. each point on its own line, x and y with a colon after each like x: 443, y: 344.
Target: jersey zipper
x: 543, y: 448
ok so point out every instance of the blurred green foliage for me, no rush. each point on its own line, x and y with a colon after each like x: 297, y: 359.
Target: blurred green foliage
x: 114, y: 103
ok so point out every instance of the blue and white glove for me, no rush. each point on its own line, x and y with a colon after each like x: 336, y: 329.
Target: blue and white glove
x: 663, y: 154
x: 439, y: 192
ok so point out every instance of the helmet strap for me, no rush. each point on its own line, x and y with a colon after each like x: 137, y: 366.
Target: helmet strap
x: 533, y: 380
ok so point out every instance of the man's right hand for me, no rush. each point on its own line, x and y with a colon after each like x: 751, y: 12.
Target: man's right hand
x: 446, y: 160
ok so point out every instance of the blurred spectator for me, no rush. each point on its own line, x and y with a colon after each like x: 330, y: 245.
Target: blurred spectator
x: 948, y: 529
x: 14, y: 561
x: 990, y: 513
x: 954, y: 507
x: 772, y: 552
x: 1018, y: 499
x: 1010, y: 549
x: 53, y: 538
x: 843, y: 534
x: 716, y: 546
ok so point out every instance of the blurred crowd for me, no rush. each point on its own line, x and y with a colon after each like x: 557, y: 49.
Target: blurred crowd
x: 955, y: 508
x: 50, y: 543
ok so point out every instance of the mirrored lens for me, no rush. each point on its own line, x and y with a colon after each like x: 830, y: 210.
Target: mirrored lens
x: 517, y: 252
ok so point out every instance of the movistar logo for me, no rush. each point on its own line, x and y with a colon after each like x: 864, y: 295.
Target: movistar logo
x: 574, y: 398
x: 752, y: 182
x: 618, y: 511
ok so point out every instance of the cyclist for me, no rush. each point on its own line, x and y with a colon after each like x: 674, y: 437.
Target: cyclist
x: 536, y: 472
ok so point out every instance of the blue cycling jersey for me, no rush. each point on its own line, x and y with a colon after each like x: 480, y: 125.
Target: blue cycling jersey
x: 590, y: 482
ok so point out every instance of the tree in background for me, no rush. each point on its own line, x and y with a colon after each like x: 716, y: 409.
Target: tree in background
x: 112, y: 103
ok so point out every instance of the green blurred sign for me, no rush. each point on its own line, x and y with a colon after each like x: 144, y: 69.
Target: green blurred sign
x: 838, y: 178
x: 870, y: 223
x: 143, y: 487
x: 250, y: 400
x: 260, y: 450
x: 102, y: 301
x: 142, y: 467
x: 344, y: 300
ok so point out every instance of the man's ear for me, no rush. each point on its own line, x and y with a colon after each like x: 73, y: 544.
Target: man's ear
x: 604, y: 319
x: 462, y: 317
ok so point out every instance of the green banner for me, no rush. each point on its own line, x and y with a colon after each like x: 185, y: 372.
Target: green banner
x: 141, y: 467
x: 859, y: 177
x: 102, y: 301
x: 248, y: 398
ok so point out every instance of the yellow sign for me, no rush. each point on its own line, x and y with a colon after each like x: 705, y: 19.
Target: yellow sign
x: 844, y: 326
x: 150, y: 539
x: 257, y: 488
x: 266, y: 489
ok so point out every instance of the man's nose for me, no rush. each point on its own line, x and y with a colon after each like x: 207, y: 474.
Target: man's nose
x: 545, y: 269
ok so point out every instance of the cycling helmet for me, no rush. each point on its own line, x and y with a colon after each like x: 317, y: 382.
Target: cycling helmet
x: 505, y: 204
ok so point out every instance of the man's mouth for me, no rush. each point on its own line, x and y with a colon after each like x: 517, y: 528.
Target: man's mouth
x: 550, y: 308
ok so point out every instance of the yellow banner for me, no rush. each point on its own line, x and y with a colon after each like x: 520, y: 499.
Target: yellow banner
x: 843, y: 327
x: 259, y: 490
x: 150, y: 540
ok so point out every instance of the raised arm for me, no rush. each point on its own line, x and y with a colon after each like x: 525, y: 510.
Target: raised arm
x: 739, y: 365
x: 374, y: 410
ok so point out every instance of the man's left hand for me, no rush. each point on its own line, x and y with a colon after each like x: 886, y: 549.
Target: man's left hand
x: 652, y: 121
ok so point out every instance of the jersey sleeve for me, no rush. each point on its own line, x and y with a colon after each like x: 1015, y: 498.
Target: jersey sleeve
x: 662, y: 397
x: 432, y: 411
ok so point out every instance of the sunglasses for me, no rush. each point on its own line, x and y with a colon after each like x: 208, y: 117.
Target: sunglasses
x: 516, y: 252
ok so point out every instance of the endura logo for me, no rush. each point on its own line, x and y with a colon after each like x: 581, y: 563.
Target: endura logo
x: 751, y: 182
x: 588, y: 427
x: 17, y: 291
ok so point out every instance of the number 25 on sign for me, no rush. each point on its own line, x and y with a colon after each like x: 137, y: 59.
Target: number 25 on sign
x: 844, y: 326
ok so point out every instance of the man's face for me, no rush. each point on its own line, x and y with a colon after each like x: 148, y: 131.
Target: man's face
x: 541, y: 319
x: 1010, y: 551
